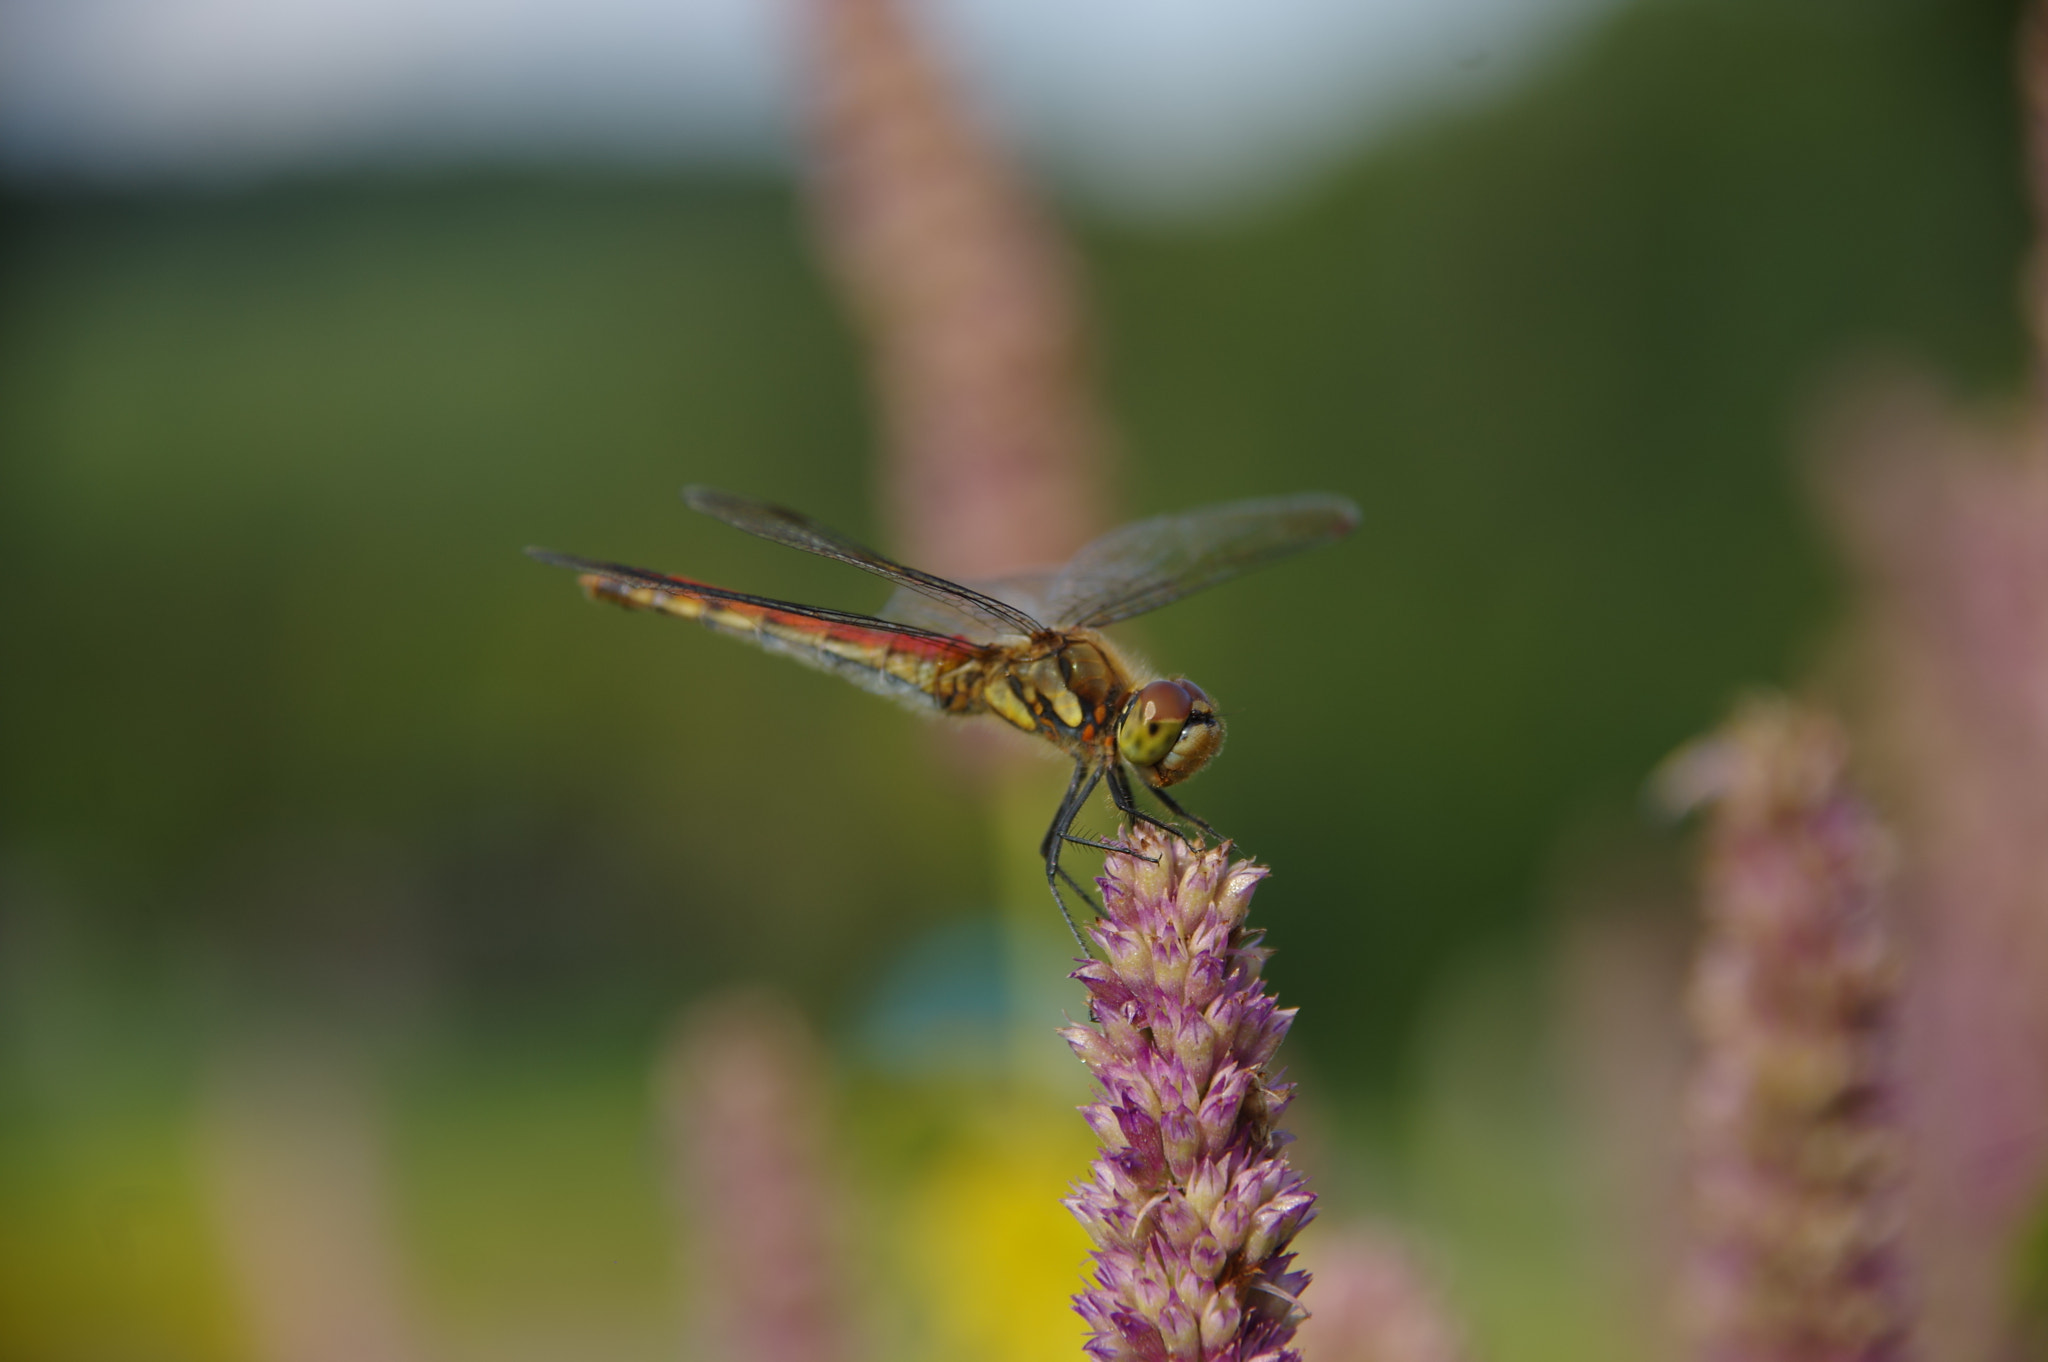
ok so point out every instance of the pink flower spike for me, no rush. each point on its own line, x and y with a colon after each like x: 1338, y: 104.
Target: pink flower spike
x: 1794, y: 1107
x: 1194, y: 1209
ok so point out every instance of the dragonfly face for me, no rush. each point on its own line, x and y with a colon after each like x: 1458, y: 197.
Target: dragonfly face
x: 1026, y: 650
x: 1169, y: 731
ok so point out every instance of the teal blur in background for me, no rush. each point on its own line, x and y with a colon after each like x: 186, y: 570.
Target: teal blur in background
x: 295, y: 736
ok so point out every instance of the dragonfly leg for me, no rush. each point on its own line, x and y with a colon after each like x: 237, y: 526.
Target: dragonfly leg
x: 1102, y: 846
x: 1120, y: 792
x: 1082, y: 890
x: 1114, y: 776
x: 1078, y: 789
x: 1174, y: 808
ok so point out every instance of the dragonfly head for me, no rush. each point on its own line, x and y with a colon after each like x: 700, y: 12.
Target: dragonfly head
x: 1169, y: 730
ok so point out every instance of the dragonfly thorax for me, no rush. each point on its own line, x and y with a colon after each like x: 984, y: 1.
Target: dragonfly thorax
x: 1065, y: 687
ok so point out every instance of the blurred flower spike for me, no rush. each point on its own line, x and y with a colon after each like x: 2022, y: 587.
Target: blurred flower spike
x: 1191, y: 1204
x: 745, y: 1094
x: 1793, y: 1110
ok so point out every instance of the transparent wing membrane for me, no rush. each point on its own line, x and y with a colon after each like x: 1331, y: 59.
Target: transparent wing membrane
x: 1024, y: 591
x: 799, y: 531
x: 1154, y: 562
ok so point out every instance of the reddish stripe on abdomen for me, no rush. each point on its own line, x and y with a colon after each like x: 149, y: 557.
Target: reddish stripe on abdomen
x: 690, y: 605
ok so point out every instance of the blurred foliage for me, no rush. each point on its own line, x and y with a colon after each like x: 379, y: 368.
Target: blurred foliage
x: 2030, y: 1287
x: 283, y: 680
x: 292, y: 727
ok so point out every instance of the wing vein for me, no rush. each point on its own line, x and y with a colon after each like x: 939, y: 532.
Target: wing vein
x: 799, y: 531
x: 1154, y: 562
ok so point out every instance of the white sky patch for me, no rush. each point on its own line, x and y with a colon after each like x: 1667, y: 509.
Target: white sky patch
x: 1148, y: 103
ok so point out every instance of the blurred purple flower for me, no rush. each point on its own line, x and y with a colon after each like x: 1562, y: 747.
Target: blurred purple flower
x: 1793, y: 1109
x: 1375, y: 1304
x: 744, y: 1098
x: 1191, y: 1204
x: 1945, y: 514
x: 966, y: 298
x: 295, y: 1140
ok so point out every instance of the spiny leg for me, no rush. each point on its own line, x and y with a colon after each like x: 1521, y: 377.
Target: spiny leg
x: 1120, y: 793
x: 1115, y: 776
x: 1178, y: 812
x: 1070, y: 803
x: 1078, y: 789
x: 1072, y: 840
x: 1082, y: 890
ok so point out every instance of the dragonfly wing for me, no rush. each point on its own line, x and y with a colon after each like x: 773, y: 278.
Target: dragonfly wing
x: 923, y: 668
x: 1152, y: 562
x: 799, y: 531
x: 1025, y: 591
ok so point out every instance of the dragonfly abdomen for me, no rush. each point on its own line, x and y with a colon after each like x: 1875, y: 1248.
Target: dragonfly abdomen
x: 923, y: 673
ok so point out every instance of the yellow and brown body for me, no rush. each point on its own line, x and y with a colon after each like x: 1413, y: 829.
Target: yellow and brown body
x: 1024, y: 649
x: 924, y: 671
x: 1071, y: 687
x: 1074, y: 689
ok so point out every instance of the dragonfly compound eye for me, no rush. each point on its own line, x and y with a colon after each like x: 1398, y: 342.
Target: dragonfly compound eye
x: 1201, y: 738
x: 1152, y: 723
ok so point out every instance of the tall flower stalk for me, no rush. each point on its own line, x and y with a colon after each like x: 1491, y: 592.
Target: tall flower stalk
x: 1945, y: 515
x: 1793, y: 1112
x: 744, y: 1095
x: 966, y: 297
x: 1191, y: 1203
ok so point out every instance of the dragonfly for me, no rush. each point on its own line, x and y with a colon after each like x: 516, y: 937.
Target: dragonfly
x: 1026, y: 650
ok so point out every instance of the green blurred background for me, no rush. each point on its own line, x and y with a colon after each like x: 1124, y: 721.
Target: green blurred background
x: 297, y: 743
